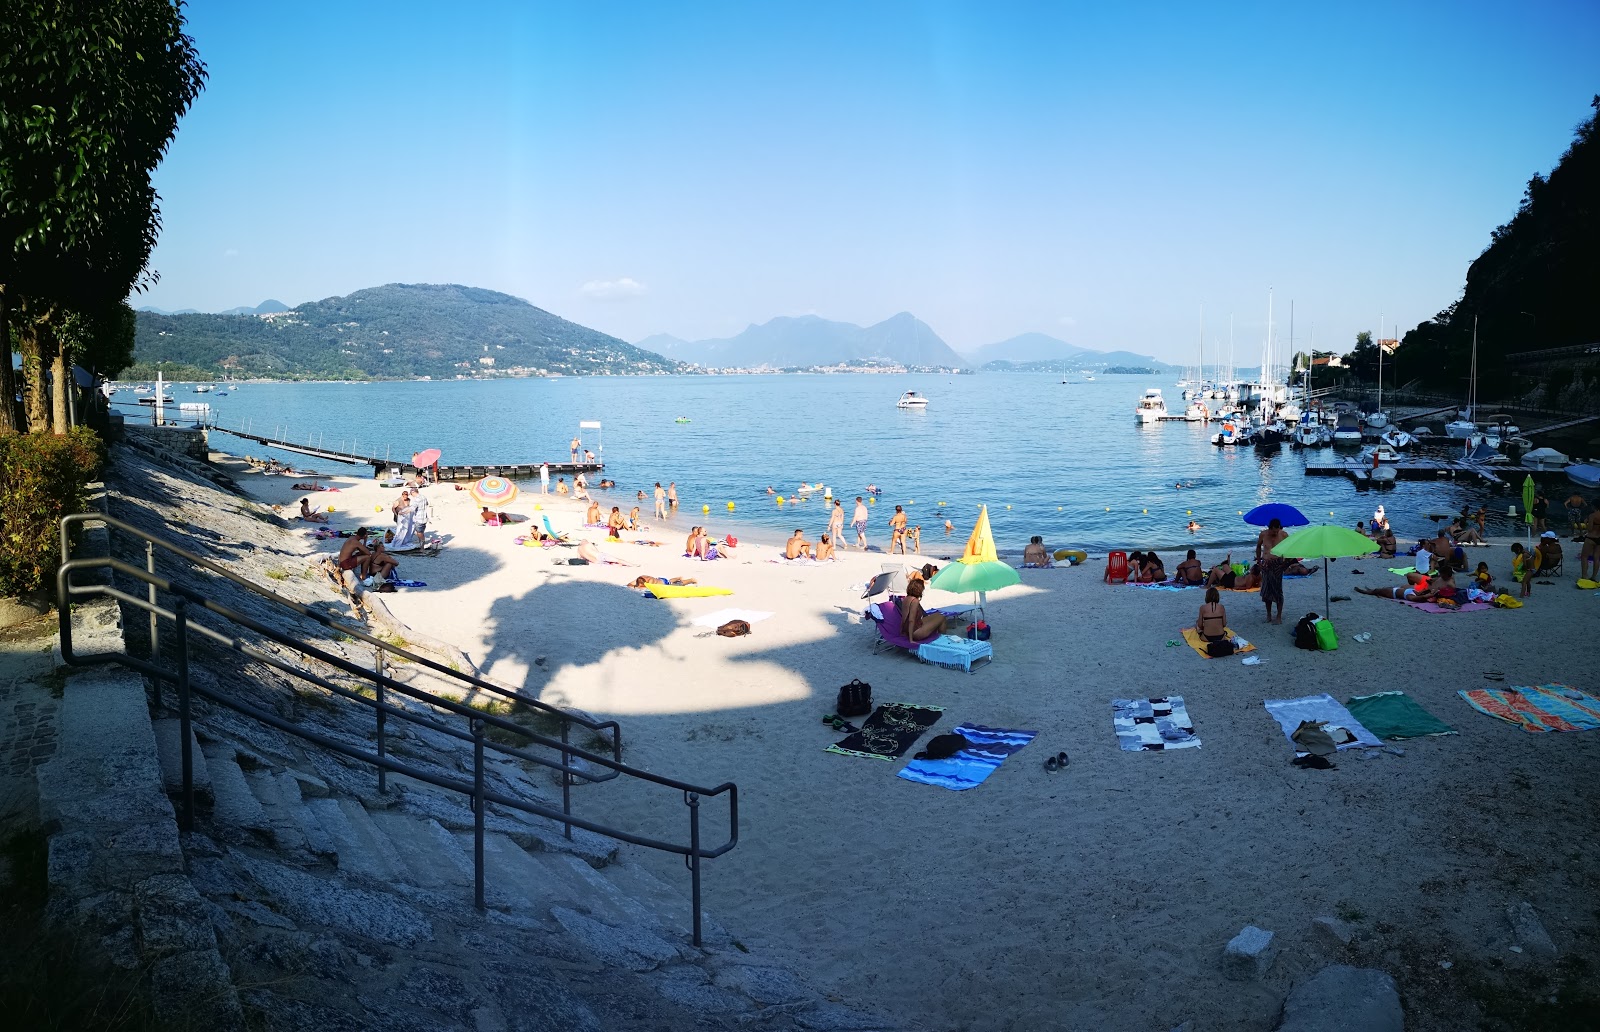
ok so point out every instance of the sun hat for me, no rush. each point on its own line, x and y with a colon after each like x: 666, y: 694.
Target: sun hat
x: 1548, y: 534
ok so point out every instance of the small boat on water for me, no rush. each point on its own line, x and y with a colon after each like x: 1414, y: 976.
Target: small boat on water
x: 202, y: 388
x: 1397, y: 438
x: 1545, y: 457
x: 1348, y: 430
x: 1584, y: 474
x: 911, y: 400
x: 683, y: 419
x: 1151, y: 408
x: 151, y: 400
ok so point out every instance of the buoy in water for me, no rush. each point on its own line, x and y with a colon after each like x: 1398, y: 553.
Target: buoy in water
x: 1145, y: 511
x: 705, y: 508
x: 780, y: 499
x: 730, y: 506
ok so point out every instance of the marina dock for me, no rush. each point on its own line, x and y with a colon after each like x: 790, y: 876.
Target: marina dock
x: 475, y: 471
x: 1359, y: 472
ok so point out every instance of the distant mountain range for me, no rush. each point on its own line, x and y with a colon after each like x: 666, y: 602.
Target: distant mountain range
x: 1033, y: 351
x: 268, y: 306
x: 394, y: 331
x: 809, y: 340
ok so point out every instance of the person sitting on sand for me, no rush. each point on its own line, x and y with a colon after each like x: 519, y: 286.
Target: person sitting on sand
x: 797, y: 547
x: 354, y: 555
x: 824, y: 548
x: 1153, y: 569
x: 1482, y: 579
x: 1212, y: 622
x: 382, y: 565
x: 1440, y: 585
x: 1550, y: 554
x: 633, y: 519
x: 916, y: 623
x: 1386, y: 543
x: 1034, y: 553
x: 614, y: 523
x: 1464, y: 534
x: 591, y: 515
x: 925, y: 573
x: 1189, y: 571
x: 489, y: 517
x: 695, y: 545
x: 1221, y: 575
x: 307, y: 514
x: 644, y: 582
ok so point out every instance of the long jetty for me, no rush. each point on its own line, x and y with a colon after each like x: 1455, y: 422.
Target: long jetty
x: 379, y: 463
x: 1418, y: 468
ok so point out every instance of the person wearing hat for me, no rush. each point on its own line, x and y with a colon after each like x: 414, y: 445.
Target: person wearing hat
x: 1549, y: 552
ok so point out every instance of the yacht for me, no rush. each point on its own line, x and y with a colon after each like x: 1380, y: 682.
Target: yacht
x: 911, y: 400
x: 1348, y: 429
x: 1463, y: 428
x: 1151, y: 407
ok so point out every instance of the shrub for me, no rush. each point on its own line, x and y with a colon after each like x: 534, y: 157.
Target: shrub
x: 44, y: 478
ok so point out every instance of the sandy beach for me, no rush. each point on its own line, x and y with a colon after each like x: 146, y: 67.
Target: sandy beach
x: 1099, y: 896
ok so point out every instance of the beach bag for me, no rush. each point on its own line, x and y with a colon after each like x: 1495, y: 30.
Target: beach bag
x: 978, y: 630
x: 1217, y: 649
x: 734, y: 628
x: 1327, y: 640
x: 1305, y: 632
x: 942, y: 747
x: 855, y: 699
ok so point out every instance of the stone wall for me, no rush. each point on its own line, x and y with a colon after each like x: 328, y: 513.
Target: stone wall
x: 182, y: 441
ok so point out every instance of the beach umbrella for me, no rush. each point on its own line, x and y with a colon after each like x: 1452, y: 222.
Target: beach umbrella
x: 979, y: 569
x: 493, y: 491
x: 424, y: 459
x: 1324, y: 542
x: 1527, y: 503
x: 1287, y: 515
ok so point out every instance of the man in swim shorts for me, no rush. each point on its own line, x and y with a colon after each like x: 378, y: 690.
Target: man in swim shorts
x: 859, y: 521
x: 355, y: 558
x: 797, y: 546
x: 1591, y: 546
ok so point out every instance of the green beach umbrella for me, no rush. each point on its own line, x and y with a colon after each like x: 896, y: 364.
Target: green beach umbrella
x: 1324, y: 542
x: 1527, y: 503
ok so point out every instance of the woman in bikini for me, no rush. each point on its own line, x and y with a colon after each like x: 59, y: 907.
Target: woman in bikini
x: 644, y: 582
x: 1213, y: 620
x: 1423, y: 589
x: 916, y: 623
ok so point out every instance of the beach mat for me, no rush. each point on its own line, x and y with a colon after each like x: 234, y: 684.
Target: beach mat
x: 1394, y: 716
x: 683, y: 591
x: 889, y: 731
x: 1198, y: 643
x: 1431, y: 607
x: 1153, y: 725
x: 969, y: 767
x: 1290, y: 712
x: 1537, y: 710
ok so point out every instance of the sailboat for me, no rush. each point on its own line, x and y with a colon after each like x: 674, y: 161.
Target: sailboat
x: 1463, y: 428
x: 1378, y: 419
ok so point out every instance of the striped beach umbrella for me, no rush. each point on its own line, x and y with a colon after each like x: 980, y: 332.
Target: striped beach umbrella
x: 494, y: 491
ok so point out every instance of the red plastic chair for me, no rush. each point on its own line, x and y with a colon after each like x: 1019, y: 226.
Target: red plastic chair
x: 1117, y: 568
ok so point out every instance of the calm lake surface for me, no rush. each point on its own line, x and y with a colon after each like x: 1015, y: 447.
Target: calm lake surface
x: 1063, y: 460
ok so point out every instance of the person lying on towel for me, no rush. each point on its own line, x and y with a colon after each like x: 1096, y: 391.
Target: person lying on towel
x: 644, y: 582
x: 1440, y: 587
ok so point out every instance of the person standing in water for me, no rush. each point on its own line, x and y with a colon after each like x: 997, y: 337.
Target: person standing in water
x: 672, y: 497
x: 661, y: 502
x: 836, y: 521
x: 859, y: 521
x: 544, y: 478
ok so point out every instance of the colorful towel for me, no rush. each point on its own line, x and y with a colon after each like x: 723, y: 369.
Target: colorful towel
x: 401, y: 582
x: 1548, y: 707
x: 1433, y: 607
x: 1395, y: 716
x: 889, y: 731
x: 1164, y: 586
x: 1346, y: 730
x: 969, y: 767
x: 1198, y: 643
x: 1153, y: 725
x: 722, y: 616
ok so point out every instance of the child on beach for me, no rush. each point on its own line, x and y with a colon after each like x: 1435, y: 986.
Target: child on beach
x: 1523, y: 567
x: 914, y: 539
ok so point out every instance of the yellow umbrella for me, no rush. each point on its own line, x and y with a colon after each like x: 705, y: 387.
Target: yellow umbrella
x: 979, y: 568
x: 980, y: 546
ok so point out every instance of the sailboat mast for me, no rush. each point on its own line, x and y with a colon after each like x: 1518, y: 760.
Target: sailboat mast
x: 1202, y: 345
x: 1380, y: 361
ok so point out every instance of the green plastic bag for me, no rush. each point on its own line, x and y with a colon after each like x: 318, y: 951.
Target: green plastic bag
x: 1327, y: 640
x: 1240, y: 569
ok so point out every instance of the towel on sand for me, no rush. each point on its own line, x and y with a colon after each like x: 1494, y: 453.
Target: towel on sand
x: 1547, y: 707
x: 889, y: 731
x: 1198, y: 643
x: 722, y: 616
x: 969, y: 767
x: 1395, y: 715
x: 1290, y: 712
x: 401, y: 582
x: 1153, y: 725
x: 1431, y: 607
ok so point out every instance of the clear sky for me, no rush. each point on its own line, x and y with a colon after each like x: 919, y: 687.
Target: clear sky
x: 1096, y: 172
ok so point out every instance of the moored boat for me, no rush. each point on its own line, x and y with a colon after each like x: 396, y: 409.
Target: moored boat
x: 911, y: 400
x: 1151, y: 407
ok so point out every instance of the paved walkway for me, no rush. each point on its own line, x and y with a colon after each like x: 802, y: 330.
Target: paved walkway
x: 28, y: 710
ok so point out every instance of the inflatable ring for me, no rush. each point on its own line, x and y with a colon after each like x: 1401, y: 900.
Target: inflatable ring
x: 1072, y: 555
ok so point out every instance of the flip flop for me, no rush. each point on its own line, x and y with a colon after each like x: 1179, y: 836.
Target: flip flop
x: 1494, y: 675
x: 1051, y: 765
x: 1171, y: 643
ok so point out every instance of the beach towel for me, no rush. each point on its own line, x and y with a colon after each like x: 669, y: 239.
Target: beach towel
x: 722, y: 616
x: 1347, y: 731
x: 401, y: 582
x: 802, y: 561
x: 1198, y: 643
x: 1153, y: 725
x: 889, y: 731
x: 969, y: 767
x: 683, y: 591
x: 1396, y: 716
x: 1537, y: 710
x: 1433, y: 607
x: 1164, y: 586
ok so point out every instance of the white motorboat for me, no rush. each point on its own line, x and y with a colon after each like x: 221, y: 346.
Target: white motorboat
x: 1233, y: 433
x: 911, y: 400
x: 1088, y: 376
x: 202, y: 388
x: 1545, y: 457
x: 1151, y: 407
x: 1463, y: 428
x: 1377, y: 420
x: 1308, y: 437
x: 1397, y: 438
x: 1348, y: 430
x: 1196, y: 412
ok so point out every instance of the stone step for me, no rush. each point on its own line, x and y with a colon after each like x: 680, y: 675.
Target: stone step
x: 292, y: 791
x: 432, y: 857
x: 454, y: 811
x: 169, y: 750
x: 533, y: 882
x: 234, y: 804
x: 671, y: 903
x: 359, y: 848
x: 280, y: 807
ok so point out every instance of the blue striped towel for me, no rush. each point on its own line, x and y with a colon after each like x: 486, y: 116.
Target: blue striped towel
x: 969, y: 767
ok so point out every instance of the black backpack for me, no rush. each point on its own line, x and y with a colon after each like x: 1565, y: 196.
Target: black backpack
x: 855, y: 699
x: 1305, y: 632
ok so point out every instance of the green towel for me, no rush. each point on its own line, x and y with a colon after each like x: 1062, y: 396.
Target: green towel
x: 1402, y: 570
x: 1395, y: 715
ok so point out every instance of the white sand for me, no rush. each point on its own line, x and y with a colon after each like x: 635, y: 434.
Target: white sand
x: 1098, y: 897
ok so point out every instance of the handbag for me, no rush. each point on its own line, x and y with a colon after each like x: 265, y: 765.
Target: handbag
x: 1216, y: 649
x: 855, y: 699
x: 734, y: 628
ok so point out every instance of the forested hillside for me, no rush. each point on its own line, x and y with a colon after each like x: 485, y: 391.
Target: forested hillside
x: 1532, y: 288
x: 399, y: 330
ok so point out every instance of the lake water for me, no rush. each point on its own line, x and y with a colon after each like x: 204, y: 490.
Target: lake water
x: 1065, y: 461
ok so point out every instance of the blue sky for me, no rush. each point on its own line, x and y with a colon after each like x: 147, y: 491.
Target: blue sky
x: 1092, y: 172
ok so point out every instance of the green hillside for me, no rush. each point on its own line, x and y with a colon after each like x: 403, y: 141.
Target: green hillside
x: 395, y: 331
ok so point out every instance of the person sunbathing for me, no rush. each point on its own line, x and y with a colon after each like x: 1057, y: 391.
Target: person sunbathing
x: 1189, y: 571
x: 1212, y: 622
x: 824, y: 549
x: 1441, y: 585
x: 488, y: 517
x: 1465, y: 535
x: 644, y: 582
x: 310, y: 516
x: 1034, y: 554
x: 916, y: 623
x: 1221, y: 575
x: 1299, y: 569
x: 591, y: 515
x: 1249, y: 580
x: 797, y: 547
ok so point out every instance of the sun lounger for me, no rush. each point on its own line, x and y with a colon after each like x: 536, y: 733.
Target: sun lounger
x: 562, y: 538
x: 889, y: 632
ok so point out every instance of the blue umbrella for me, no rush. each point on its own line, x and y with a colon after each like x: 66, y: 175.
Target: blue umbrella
x: 1287, y: 515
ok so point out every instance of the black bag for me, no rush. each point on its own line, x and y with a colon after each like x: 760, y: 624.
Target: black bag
x: 942, y: 747
x: 1305, y: 632
x: 855, y: 699
x: 1220, y: 648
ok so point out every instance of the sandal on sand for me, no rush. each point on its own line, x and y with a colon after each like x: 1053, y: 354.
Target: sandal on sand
x: 1061, y: 760
x: 1051, y: 765
x: 1494, y: 675
x: 1339, y: 598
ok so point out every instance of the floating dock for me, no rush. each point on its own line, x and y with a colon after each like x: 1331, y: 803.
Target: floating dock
x: 476, y: 471
x: 1359, y: 472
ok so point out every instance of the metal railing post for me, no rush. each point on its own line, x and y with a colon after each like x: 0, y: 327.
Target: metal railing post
x: 478, y: 803
x: 377, y: 684
x: 566, y: 776
x: 180, y: 624
x: 693, y: 799
x: 155, y: 626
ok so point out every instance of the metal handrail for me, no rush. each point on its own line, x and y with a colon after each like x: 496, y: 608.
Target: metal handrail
x: 186, y: 596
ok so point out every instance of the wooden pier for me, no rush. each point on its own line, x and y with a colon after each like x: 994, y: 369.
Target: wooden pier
x: 1359, y: 472
x: 476, y: 471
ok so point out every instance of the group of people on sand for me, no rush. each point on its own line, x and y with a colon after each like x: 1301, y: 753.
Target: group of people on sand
x: 797, y: 547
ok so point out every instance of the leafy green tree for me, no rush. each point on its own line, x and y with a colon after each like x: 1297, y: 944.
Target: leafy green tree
x: 90, y: 97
